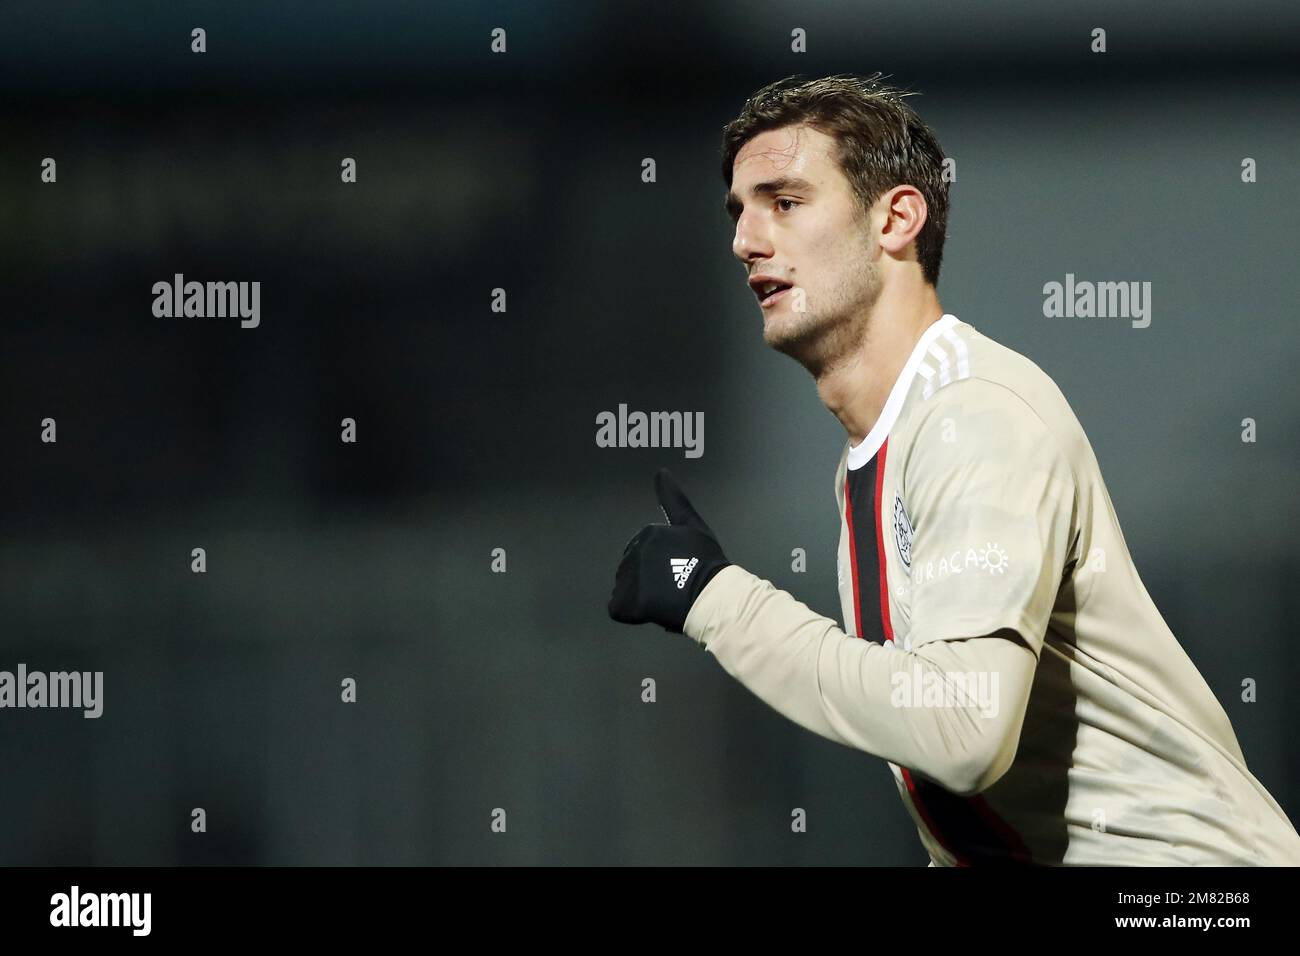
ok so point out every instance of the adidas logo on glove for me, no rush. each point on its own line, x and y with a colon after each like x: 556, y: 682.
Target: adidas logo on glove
x: 642, y: 593
x: 682, y: 569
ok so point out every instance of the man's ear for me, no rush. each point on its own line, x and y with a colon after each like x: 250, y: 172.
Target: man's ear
x: 905, y: 214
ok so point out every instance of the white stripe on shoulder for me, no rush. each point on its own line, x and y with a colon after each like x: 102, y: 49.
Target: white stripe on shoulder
x: 945, y: 369
x: 963, y: 356
x: 948, y: 350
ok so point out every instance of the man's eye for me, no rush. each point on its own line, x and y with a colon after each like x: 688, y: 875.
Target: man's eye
x: 790, y: 201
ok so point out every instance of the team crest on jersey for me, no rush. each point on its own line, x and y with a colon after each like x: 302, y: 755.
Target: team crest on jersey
x: 902, y: 532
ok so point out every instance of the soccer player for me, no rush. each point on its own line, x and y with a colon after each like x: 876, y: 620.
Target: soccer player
x: 999, y: 649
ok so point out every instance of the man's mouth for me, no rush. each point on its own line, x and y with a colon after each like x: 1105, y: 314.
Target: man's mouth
x: 773, y: 297
x: 767, y: 290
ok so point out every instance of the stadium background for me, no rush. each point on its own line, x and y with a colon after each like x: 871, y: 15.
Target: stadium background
x: 476, y: 429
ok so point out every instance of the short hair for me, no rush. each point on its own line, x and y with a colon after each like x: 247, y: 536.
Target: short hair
x: 881, y: 143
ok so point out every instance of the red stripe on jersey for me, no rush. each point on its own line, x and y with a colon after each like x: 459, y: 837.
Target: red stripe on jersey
x: 889, y: 636
x: 929, y: 820
x: 1014, y: 846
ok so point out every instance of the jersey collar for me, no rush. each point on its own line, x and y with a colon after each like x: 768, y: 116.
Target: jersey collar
x: 860, y: 454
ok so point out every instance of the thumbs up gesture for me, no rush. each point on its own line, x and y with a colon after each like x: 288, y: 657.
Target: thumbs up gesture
x: 666, y: 566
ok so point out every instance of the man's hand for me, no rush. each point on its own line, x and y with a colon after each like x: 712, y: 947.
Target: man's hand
x: 666, y: 566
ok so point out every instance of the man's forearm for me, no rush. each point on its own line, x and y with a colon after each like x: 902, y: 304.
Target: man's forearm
x: 862, y: 694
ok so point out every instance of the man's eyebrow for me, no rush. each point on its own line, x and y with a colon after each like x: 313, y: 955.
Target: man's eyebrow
x: 733, y: 204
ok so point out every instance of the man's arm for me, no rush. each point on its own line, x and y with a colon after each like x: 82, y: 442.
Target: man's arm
x: 1000, y: 476
x: 868, y: 696
x: 1003, y: 478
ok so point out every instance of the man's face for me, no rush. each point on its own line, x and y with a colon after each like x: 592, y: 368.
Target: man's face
x: 799, y: 222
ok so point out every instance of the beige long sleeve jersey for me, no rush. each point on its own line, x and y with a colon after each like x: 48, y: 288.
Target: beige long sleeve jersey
x: 999, y: 649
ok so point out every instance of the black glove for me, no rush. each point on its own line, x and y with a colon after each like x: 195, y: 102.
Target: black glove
x: 666, y: 566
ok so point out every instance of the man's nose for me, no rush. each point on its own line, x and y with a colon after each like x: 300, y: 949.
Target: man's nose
x: 751, y: 240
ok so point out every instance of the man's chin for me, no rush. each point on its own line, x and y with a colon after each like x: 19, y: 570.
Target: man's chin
x: 801, y: 337
x: 786, y: 333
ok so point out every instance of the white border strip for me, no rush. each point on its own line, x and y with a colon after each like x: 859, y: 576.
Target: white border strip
x: 863, y: 453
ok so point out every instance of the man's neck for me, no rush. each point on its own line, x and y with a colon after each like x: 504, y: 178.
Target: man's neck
x: 855, y: 389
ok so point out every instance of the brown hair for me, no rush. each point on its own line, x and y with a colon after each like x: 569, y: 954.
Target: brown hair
x: 882, y: 143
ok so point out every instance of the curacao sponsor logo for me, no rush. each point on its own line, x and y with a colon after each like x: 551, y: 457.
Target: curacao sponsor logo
x: 990, y: 558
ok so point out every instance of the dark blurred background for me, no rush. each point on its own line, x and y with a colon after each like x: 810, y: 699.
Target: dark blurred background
x: 477, y: 429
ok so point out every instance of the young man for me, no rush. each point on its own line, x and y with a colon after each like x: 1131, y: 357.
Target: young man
x: 1032, y: 704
